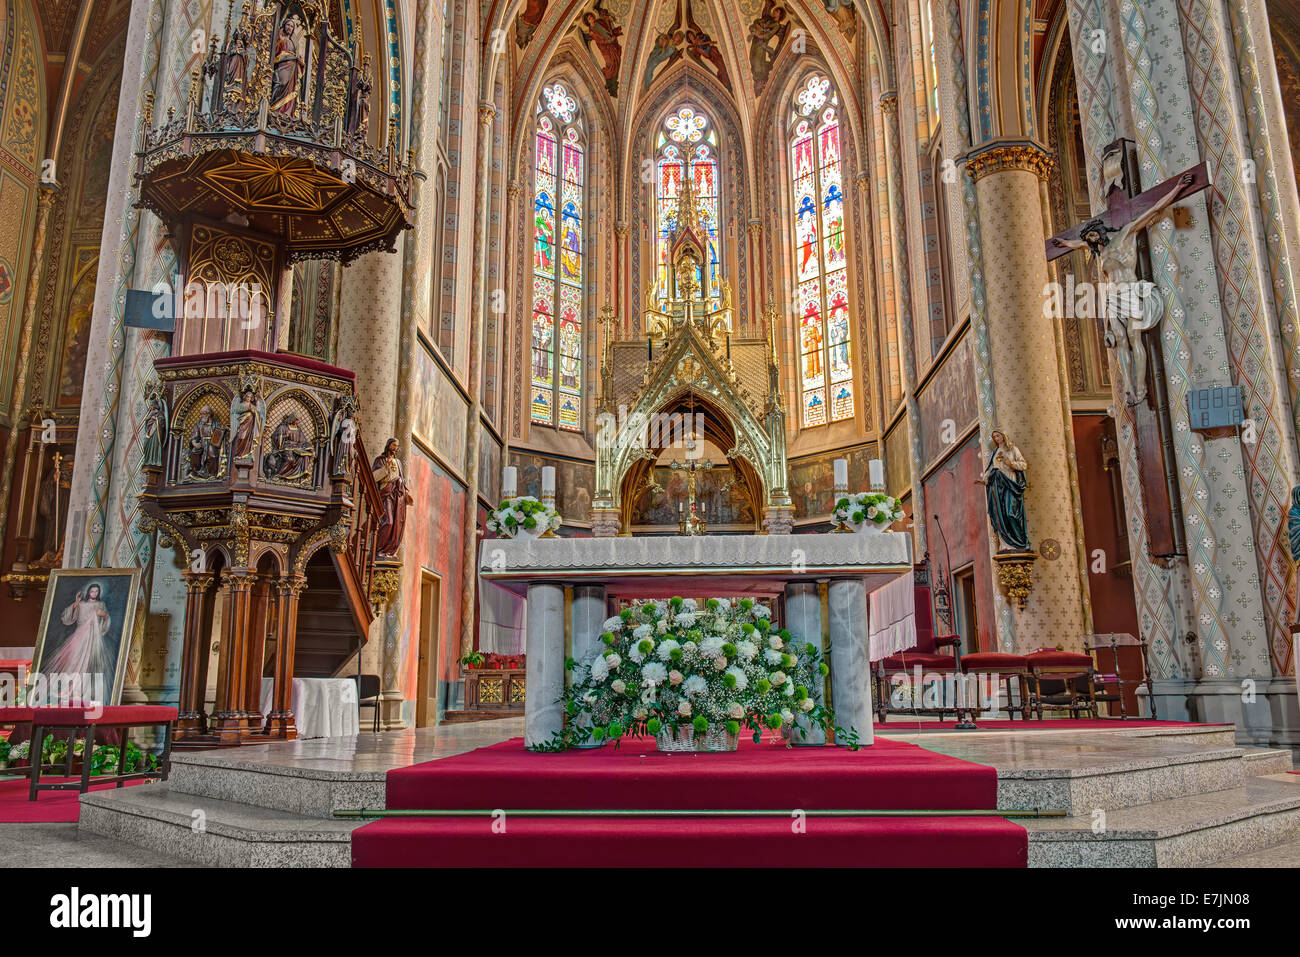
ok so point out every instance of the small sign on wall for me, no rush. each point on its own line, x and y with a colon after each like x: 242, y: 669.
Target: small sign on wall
x: 1216, y: 408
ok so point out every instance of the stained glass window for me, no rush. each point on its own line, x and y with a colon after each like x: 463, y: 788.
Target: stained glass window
x: 558, y: 261
x: 687, y: 145
x: 820, y: 259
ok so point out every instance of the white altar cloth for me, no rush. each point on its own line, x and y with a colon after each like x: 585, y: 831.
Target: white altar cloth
x: 322, y: 707
x: 892, y: 621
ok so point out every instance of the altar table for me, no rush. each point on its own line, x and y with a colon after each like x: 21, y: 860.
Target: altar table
x: 706, y: 566
x: 322, y: 707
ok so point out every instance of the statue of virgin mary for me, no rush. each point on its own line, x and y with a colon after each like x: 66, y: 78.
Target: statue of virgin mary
x: 1004, y: 479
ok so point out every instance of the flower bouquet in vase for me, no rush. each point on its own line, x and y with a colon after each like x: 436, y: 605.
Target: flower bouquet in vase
x: 523, y: 515
x: 866, y: 512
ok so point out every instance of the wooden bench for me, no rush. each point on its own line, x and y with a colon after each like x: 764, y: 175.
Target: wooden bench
x: 87, y: 722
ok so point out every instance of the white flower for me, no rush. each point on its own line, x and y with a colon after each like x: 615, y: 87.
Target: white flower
x: 872, y: 511
x: 720, y: 663
x: 613, y: 661
x: 649, y: 695
x: 786, y: 715
x: 636, y: 654
x: 747, y: 649
x: 724, y: 605
x: 666, y: 648
x: 695, y: 685
x: 617, y: 686
x: 777, y: 678
x: 642, y: 631
x: 807, y: 704
x: 661, y: 627
x: 675, y: 677
x: 614, y: 624
x: 772, y: 656
x: 640, y: 714
x: 556, y: 521
x: 762, y: 611
x: 519, y: 516
x: 684, y: 709
x: 742, y: 681
x: 654, y: 674
x: 775, y: 643
x: 686, y: 619
x: 688, y: 648
x: 735, y: 710
x: 690, y: 604
x: 789, y: 689
x: 589, y: 697
x: 599, y: 670
x: 711, y: 645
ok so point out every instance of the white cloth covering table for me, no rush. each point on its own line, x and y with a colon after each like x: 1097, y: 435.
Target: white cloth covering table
x: 322, y: 707
x: 892, y: 620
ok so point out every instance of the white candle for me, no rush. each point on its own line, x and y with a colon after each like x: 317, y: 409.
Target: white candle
x: 548, y: 481
x: 876, y: 470
x: 841, y: 474
x: 509, y: 482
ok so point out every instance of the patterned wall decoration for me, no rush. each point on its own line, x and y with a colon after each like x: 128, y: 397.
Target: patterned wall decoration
x: 947, y: 402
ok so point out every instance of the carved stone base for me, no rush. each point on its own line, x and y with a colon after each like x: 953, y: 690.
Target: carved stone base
x: 605, y: 523
x: 1016, y: 575
x: 778, y: 520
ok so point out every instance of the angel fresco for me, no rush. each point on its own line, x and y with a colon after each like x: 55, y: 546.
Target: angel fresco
x: 602, y: 32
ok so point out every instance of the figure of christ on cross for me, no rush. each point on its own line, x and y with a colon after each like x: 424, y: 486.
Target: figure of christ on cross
x: 1116, y: 241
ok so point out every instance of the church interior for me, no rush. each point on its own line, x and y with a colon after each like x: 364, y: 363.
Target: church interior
x: 361, y: 361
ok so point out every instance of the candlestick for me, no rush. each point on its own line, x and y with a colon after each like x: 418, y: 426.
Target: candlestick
x: 728, y: 345
x: 649, y: 349
x: 876, y: 471
x: 509, y: 482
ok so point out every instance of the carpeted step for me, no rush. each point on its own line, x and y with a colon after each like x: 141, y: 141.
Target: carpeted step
x: 889, y: 775
x: 691, y: 842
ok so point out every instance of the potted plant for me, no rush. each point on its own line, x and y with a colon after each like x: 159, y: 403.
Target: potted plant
x: 523, y: 515
x: 866, y: 512
x: 472, y: 659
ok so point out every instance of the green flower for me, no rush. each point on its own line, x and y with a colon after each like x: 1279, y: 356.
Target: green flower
x: 729, y: 649
x: 729, y: 680
x: 747, y: 629
x: 598, y: 733
x: 530, y: 522
x: 763, y: 686
x: 700, y: 724
x: 615, y: 729
x: 774, y: 721
x: 800, y: 692
x: 787, y: 661
x: 712, y: 604
x: 653, y: 725
x: 822, y: 669
x: 746, y: 604
x: 609, y: 639
x: 810, y: 649
x: 648, y: 609
x: 675, y: 654
x: 764, y: 625
x: 627, y: 614
x: 675, y: 602
x: 783, y: 634
x: 733, y: 727
x: 645, y: 646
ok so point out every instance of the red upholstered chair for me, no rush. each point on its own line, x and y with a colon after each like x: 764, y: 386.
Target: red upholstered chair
x: 1006, y: 668
x: 1061, y: 679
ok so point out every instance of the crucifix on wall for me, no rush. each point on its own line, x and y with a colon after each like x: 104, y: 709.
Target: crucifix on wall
x: 1131, y: 305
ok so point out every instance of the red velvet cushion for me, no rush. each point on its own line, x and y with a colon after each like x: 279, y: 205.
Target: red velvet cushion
x: 1050, y: 658
x: 15, y: 715
x: 910, y: 659
x: 993, y: 661
x: 116, y: 714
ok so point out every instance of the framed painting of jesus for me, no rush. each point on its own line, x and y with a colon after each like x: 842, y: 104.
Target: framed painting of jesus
x: 85, y: 635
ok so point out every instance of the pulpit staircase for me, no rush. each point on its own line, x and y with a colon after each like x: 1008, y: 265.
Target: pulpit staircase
x: 332, y: 623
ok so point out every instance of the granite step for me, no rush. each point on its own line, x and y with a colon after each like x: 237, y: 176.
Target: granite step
x: 215, y: 832
x: 314, y: 792
x: 1261, y: 761
x: 1280, y: 855
x: 1186, y: 831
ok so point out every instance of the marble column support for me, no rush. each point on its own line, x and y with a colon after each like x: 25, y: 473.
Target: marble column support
x: 544, y: 635
x: 803, y: 619
x: 1030, y: 409
x: 850, y: 658
x: 586, y: 616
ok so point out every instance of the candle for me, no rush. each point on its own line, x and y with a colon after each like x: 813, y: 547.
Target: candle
x: 728, y: 345
x: 509, y: 482
x: 548, y: 481
x: 841, y: 467
x: 876, y: 469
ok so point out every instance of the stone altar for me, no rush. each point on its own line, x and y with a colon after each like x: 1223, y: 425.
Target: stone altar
x: 757, y: 566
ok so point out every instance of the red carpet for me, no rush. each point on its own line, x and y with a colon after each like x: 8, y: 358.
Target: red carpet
x: 901, y: 724
x: 51, y: 807
x: 890, y: 775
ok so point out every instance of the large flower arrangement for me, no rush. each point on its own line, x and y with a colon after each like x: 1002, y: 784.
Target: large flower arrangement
x: 523, y: 512
x: 859, y: 509
x: 714, y: 668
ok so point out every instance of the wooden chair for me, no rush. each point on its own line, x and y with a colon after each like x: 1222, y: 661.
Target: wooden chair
x: 1100, y: 644
x: 78, y: 721
x: 1061, y: 679
x: 1007, y: 668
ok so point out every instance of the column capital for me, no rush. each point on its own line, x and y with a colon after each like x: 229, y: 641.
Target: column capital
x: 754, y: 227
x: 1008, y: 154
x: 889, y: 102
x: 487, y: 111
x: 620, y: 228
x: 291, y: 586
x: 514, y: 189
x: 196, y: 581
x: 863, y: 181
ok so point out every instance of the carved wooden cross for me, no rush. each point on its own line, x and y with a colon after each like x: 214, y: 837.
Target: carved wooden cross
x: 1126, y: 207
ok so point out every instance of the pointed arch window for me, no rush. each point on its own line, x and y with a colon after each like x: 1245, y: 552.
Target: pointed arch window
x: 687, y: 145
x: 820, y: 261
x: 558, y: 260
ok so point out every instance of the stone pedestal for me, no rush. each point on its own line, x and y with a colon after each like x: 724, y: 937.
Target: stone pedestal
x: 605, y: 522
x: 803, y: 619
x: 543, y: 715
x: 849, y: 658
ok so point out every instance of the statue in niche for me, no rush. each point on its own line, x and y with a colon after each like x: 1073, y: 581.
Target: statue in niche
x: 1004, y: 481
x: 393, y: 492
x: 289, y: 66
x: 246, y: 420
x: 343, y: 436
x: 206, y: 444
x: 154, y: 432
x: 291, y: 454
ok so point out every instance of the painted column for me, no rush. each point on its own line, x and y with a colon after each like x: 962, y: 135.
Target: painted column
x: 544, y: 636
x: 1006, y: 173
x: 586, y: 617
x: 850, y: 657
x: 803, y: 619
x: 903, y: 299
